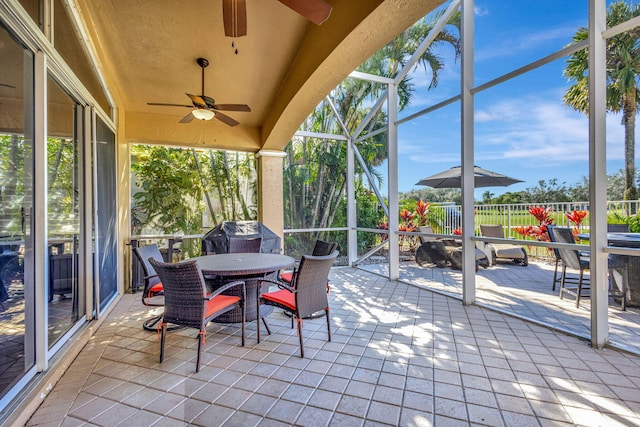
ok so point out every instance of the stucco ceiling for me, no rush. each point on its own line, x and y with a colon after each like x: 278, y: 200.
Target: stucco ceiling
x: 285, y: 65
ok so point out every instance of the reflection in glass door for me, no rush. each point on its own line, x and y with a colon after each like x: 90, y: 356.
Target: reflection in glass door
x: 65, y: 294
x: 105, y: 195
x: 16, y: 207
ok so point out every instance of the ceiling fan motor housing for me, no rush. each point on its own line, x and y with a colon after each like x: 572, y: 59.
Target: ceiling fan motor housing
x: 203, y: 62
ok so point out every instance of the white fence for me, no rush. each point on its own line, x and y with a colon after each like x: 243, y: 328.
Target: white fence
x: 514, y: 215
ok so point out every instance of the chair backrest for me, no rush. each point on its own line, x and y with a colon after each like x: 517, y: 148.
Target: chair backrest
x: 426, y: 229
x: 492, y: 230
x: 618, y: 228
x: 570, y: 257
x: 184, y: 292
x: 143, y: 253
x: 311, y: 283
x: 244, y: 245
x: 323, y: 248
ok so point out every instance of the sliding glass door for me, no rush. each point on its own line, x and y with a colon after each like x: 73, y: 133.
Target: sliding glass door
x: 65, y: 292
x: 17, y: 290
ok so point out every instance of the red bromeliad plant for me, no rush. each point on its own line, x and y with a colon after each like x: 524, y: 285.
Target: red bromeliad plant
x: 383, y: 226
x: 538, y: 232
x: 576, y: 217
x: 542, y: 214
x: 407, y: 227
x: 407, y: 216
x: 410, y: 221
x: 422, y: 211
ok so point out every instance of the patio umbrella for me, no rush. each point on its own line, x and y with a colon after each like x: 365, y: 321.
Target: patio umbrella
x: 452, y: 178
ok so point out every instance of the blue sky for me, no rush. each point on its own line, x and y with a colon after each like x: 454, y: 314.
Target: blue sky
x: 522, y: 127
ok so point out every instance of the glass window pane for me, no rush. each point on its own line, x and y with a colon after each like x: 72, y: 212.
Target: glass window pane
x: 16, y: 207
x: 66, y: 303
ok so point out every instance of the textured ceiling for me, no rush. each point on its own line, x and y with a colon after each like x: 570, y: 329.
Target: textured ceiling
x: 285, y: 65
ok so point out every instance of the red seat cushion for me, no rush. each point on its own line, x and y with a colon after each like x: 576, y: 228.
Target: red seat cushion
x: 282, y: 297
x: 156, y: 288
x: 286, y: 276
x: 218, y: 303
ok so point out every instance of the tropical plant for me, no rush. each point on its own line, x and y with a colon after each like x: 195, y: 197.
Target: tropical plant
x: 177, y: 189
x: 315, y: 168
x: 623, y: 77
x: 576, y: 217
x: 538, y: 232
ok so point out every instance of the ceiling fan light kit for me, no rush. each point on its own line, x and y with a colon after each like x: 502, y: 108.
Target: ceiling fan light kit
x: 204, y: 107
x: 202, y: 114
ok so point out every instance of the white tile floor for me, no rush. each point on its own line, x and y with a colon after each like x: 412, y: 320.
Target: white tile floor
x: 400, y: 355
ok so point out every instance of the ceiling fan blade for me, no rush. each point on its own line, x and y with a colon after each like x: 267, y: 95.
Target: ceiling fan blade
x: 162, y: 104
x: 232, y: 107
x: 316, y: 11
x: 210, y: 102
x: 197, y: 100
x: 234, y: 15
x: 226, y: 119
x: 186, y: 119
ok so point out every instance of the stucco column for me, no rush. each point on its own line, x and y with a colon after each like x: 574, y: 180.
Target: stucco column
x: 270, y: 196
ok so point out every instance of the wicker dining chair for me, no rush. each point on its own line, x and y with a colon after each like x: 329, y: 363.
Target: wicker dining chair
x: 305, y: 296
x: 152, y: 284
x: 321, y: 248
x: 244, y: 245
x: 188, y: 304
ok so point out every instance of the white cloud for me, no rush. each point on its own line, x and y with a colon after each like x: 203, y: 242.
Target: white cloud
x: 517, y: 130
x: 480, y: 10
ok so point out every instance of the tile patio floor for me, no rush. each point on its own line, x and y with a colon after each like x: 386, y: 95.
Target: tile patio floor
x: 400, y: 355
x: 527, y: 292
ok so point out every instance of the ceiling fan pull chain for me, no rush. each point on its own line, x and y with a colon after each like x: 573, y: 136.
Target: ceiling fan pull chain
x: 235, y: 26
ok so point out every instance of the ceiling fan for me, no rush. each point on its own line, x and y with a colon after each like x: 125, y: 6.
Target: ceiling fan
x: 204, y: 107
x: 234, y: 13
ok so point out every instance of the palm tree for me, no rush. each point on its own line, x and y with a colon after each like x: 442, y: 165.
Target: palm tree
x: 315, y: 192
x: 623, y: 76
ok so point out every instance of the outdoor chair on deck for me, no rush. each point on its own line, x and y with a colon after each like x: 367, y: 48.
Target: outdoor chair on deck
x: 305, y: 296
x: 244, y: 245
x: 321, y: 248
x: 573, y: 259
x: 431, y: 250
x: 188, y: 304
x: 617, y: 266
x: 515, y: 253
x: 152, y: 284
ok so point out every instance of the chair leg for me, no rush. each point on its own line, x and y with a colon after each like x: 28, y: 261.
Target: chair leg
x: 625, y: 289
x: 328, y: 323
x: 162, y: 335
x: 200, y: 338
x: 579, y: 293
x: 258, y: 317
x: 299, y: 320
x: 266, y: 326
x: 562, y: 281
x: 244, y: 316
x: 555, y: 276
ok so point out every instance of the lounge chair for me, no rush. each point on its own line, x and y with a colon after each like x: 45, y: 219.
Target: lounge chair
x: 515, y: 253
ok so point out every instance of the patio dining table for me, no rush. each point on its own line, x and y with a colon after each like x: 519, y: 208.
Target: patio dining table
x: 250, y: 267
